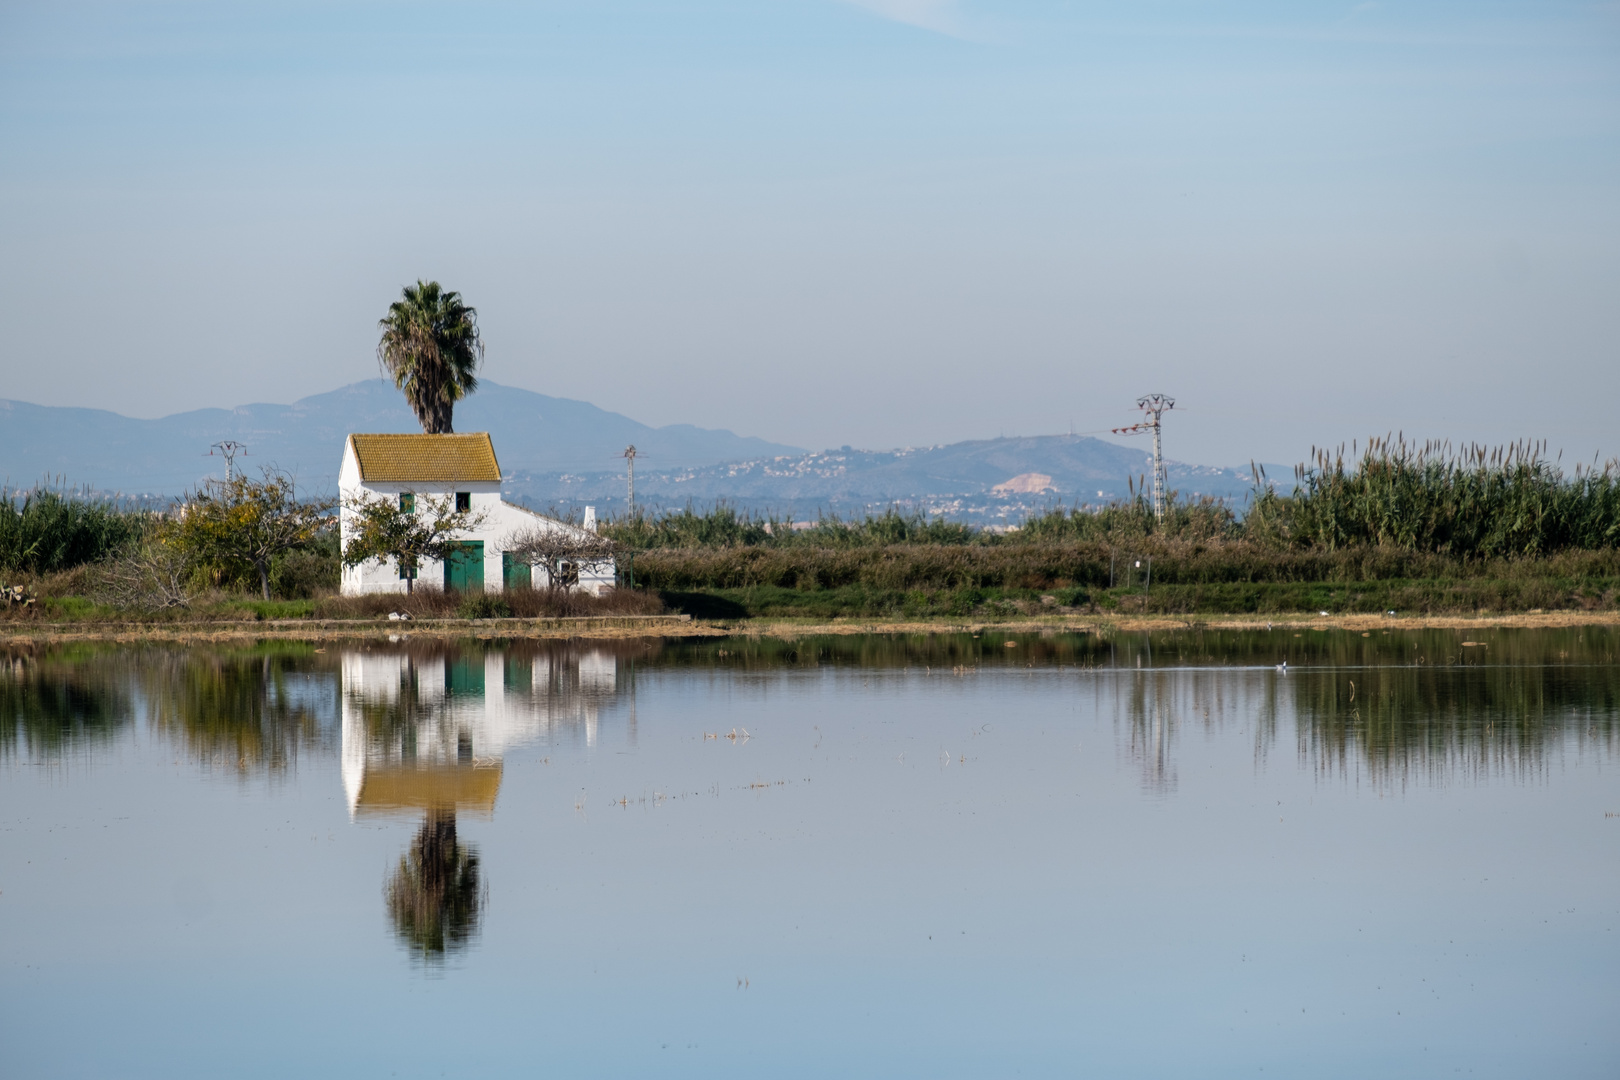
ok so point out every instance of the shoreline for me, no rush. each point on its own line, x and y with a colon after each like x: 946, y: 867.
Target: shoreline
x: 684, y: 626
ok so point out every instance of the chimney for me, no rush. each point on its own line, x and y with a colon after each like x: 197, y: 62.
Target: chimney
x: 590, y: 519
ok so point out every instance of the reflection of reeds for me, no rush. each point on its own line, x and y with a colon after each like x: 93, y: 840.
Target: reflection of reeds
x: 1389, y: 707
x: 53, y: 701
x: 1444, y: 720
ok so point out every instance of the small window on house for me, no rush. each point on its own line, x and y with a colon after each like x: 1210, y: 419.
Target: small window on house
x: 407, y: 502
x: 405, y: 574
x: 463, y: 501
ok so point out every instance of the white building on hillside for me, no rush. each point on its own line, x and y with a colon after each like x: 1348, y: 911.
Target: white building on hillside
x: 409, y: 468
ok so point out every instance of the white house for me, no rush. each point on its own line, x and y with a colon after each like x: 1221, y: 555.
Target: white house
x: 412, y: 468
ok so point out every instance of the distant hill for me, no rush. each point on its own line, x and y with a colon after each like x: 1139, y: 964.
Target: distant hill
x: 108, y: 452
x: 567, y: 454
x: 989, y: 481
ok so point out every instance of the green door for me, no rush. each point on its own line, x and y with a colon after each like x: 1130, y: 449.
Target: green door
x: 514, y: 572
x: 464, y: 677
x: 464, y: 569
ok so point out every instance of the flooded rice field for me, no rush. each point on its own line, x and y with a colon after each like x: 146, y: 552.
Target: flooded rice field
x: 1291, y: 853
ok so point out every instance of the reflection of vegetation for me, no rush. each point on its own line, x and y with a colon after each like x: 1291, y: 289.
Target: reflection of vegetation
x: 1421, y: 698
x: 886, y: 651
x: 435, y: 893
x: 248, y: 707
x: 1478, y: 718
x: 1562, y: 649
x: 54, y: 701
x: 1403, y: 701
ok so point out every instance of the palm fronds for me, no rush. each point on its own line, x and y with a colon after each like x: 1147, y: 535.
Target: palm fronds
x: 431, y: 348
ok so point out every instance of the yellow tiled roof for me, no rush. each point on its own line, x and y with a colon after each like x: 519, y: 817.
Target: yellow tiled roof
x: 426, y: 459
x: 432, y: 787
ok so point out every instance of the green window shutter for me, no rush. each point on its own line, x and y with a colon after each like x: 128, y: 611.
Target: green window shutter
x: 407, y: 502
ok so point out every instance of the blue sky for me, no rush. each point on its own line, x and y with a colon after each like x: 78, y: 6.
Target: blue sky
x: 886, y: 223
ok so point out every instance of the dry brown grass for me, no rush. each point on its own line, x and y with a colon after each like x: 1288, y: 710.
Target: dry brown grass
x: 430, y: 603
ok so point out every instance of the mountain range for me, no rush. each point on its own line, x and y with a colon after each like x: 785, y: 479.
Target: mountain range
x: 104, y: 451
x: 561, y: 453
x: 988, y: 481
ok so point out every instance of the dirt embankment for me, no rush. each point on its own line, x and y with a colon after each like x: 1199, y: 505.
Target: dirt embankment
x: 680, y: 626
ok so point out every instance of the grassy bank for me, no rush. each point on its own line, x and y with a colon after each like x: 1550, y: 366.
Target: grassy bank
x: 1405, y: 597
x: 62, y: 599
x: 1236, y: 577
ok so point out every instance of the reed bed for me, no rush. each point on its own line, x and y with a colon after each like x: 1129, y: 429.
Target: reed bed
x: 1480, y: 503
x: 48, y: 530
x: 1093, y: 565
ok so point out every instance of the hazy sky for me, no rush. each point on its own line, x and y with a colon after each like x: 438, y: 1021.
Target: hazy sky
x: 880, y: 223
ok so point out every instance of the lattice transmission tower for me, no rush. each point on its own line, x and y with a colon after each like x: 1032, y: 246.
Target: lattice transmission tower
x: 1153, y: 406
x: 630, y: 464
x: 228, y: 449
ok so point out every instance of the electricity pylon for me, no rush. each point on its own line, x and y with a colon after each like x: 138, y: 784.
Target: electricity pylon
x: 630, y: 459
x: 228, y: 448
x: 1153, y: 406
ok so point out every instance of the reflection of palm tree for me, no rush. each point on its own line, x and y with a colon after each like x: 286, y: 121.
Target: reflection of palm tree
x: 435, y: 894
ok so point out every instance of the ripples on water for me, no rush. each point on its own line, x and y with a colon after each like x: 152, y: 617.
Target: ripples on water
x: 961, y: 855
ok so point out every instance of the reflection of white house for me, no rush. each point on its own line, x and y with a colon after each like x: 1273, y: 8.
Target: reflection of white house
x: 413, y: 468
x: 430, y: 732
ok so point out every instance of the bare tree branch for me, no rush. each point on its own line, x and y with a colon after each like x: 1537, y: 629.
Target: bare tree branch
x: 561, y: 550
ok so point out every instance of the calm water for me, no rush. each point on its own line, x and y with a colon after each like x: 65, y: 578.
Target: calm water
x: 935, y: 857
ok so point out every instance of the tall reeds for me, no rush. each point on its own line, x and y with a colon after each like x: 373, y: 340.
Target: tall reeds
x: 47, y: 530
x: 1481, y: 503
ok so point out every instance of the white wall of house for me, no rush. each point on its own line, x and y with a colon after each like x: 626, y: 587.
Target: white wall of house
x: 502, y: 521
x: 560, y: 705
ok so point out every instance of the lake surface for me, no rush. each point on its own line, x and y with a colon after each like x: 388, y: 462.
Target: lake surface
x: 1131, y: 856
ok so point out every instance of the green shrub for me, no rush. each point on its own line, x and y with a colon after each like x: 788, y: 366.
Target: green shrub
x: 307, y: 572
x: 483, y: 605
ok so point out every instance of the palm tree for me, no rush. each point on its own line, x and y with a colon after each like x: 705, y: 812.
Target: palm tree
x: 430, y: 347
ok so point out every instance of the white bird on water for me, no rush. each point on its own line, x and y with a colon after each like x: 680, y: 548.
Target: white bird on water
x: 1283, y: 667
